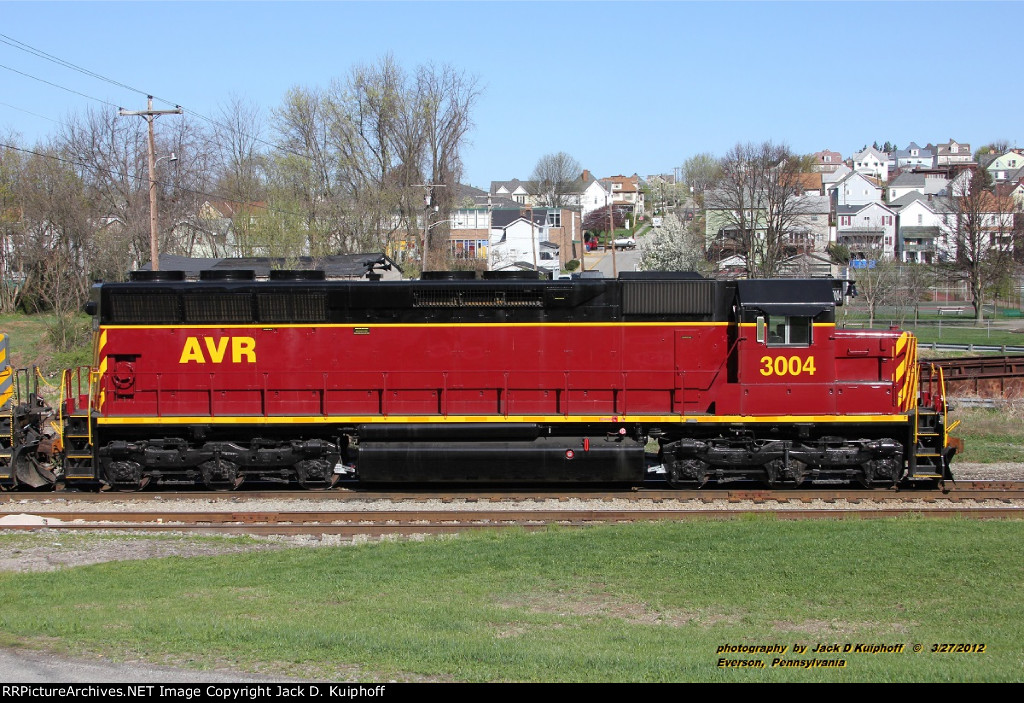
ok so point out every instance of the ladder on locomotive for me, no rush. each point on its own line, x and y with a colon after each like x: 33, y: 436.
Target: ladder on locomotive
x: 76, y: 415
x: 932, y: 428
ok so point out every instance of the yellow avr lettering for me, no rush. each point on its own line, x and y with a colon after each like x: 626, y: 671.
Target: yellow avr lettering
x: 243, y: 349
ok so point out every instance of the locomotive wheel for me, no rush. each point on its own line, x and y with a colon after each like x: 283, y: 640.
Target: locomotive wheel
x: 221, y: 475
x: 687, y: 473
x: 125, y: 476
x: 315, y: 475
x: 319, y: 485
x: 885, y: 472
x: 131, y: 487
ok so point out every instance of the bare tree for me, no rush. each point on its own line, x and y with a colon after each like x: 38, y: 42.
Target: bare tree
x: 184, y: 185
x: 757, y: 207
x: 554, y: 176
x: 12, y: 224
x: 305, y: 170
x: 241, y: 159
x: 915, y: 280
x: 378, y: 132
x: 355, y: 154
x: 878, y: 285
x: 446, y: 97
x: 58, y: 249
x: 110, y: 157
x: 983, y: 233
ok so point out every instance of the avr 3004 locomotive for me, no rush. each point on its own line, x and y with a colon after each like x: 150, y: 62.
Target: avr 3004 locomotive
x: 501, y: 380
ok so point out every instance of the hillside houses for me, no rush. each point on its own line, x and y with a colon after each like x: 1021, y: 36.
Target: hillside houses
x: 901, y: 206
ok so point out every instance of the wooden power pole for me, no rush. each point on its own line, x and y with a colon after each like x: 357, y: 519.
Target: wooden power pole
x: 150, y: 114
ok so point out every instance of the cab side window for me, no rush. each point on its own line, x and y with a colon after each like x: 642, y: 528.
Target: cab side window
x: 784, y: 331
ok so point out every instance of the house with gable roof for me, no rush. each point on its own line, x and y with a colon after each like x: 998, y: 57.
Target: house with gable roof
x: 912, y: 158
x: 856, y: 189
x: 826, y: 161
x: 625, y: 190
x: 867, y: 230
x: 871, y: 162
x: 952, y: 153
x: 829, y: 179
x: 912, y: 182
x: 919, y: 234
x: 522, y: 192
x: 1003, y: 167
x: 521, y: 238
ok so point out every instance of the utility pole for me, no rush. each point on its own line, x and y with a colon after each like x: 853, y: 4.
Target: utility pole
x: 611, y: 231
x: 150, y: 114
x: 533, y: 237
x: 427, y: 201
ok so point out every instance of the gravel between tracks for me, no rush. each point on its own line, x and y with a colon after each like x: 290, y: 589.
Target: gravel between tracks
x: 47, y: 550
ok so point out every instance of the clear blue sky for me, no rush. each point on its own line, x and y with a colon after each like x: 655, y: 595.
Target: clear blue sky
x: 624, y: 87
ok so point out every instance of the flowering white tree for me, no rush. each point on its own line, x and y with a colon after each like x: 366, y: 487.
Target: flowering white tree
x: 675, y: 246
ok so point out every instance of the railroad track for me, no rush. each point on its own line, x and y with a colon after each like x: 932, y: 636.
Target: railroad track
x: 993, y: 377
x: 381, y: 523
x: 475, y: 511
x: 962, y: 490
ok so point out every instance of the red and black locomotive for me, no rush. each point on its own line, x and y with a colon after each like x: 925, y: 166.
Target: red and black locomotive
x: 501, y: 379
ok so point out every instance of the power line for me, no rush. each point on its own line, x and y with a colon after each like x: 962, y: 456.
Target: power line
x: 27, y: 112
x: 10, y: 41
x: 41, y: 80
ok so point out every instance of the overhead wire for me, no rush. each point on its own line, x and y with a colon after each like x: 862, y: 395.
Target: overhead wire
x: 22, y: 46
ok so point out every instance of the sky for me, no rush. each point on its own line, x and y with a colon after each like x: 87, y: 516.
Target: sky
x: 623, y: 87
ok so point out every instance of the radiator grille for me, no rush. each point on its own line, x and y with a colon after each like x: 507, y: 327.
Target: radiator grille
x: 297, y: 307
x: 218, y: 307
x: 453, y: 298
x: 144, y: 307
x: 668, y: 297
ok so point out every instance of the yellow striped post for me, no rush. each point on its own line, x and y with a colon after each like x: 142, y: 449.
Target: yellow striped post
x: 6, y: 375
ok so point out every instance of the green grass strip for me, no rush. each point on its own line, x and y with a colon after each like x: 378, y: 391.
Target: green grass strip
x: 651, y: 602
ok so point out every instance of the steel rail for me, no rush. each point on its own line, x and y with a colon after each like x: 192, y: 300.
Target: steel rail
x: 962, y: 490
x: 445, y: 522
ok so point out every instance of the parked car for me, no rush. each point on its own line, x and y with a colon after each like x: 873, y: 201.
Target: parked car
x: 625, y: 243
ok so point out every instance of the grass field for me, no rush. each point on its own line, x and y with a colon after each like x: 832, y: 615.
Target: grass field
x: 991, y: 435
x: 631, y: 603
x: 29, y: 343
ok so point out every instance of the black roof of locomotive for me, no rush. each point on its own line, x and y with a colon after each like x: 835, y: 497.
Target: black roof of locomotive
x: 635, y: 296
x: 787, y: 296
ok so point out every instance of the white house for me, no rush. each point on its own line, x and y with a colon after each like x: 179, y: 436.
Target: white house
x: 919, y: 234
x: 925, y: 184
x: 522, y: 242
x: 871, y: 162
x: 594, y: 197
x: 856, y: 189
x: 868, y: 230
